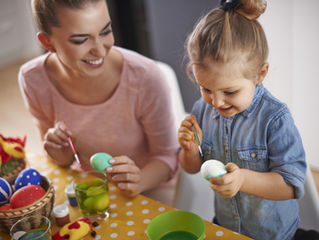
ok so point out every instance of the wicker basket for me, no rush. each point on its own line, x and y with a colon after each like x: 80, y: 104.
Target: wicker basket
x: 11, y: 177
x: 43, y: 206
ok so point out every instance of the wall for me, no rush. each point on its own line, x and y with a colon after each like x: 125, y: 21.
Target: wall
x: 292, y: 32
x: 17, y: 33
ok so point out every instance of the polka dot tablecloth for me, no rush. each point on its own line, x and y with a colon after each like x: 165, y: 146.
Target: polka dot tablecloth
x: 129, y: 217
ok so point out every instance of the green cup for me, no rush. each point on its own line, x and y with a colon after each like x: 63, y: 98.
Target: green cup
x: 176, y: 225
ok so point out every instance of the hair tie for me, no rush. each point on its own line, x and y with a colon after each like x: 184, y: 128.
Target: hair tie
x: 229, y: 5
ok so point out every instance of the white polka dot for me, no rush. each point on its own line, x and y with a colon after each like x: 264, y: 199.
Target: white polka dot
x: 97, y: 237
x: 144, y: 202
x: 236, y: 233
x: 145, y: 211
x: 55, y: 187
x: 113, y: 205
x: 161, y: 209
x: 112, y: 188
x: 129, y: 223
x: 44, y: 166
x: 113, y: 215
x: 98, y: 227
x: 28, y: 176
x: 113, y: 235
x: 131, y: 233
x: 83, y: 175
x: 66, y: 202
x: 113, y: 225
x: 29, y: 183
x: 55, y: 180
x: 129, y: 213
x: 128, y: 204
x: 146, y: 221
x: 113, y: 197
x: 34, y: 174
x: 69, y: 178
x: 57, y: 171
x: 219, y: 233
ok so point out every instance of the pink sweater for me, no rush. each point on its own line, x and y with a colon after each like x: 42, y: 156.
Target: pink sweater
x: 136, y: 121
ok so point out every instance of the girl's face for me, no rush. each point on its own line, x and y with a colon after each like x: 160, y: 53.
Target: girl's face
x: 84, y: 38
x: 224, y: 87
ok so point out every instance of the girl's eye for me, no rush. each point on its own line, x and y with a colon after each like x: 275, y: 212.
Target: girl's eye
x: 78, y: 42
x: 205, y: 90
x: 230, y: 93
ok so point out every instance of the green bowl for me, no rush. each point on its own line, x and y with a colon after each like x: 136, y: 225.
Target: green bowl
x: 176, y: 225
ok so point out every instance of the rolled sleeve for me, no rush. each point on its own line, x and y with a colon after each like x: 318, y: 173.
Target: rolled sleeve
x: 286, y: 152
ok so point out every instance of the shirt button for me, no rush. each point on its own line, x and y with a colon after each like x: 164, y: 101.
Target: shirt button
x: 236, y: 218
x: 253, y: 155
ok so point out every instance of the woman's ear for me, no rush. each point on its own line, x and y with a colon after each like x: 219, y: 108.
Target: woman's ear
x: 45, y: 41
x: 263, y: 70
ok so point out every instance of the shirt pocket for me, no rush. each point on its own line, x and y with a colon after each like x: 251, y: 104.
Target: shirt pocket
x: 208, y: 149
x: 254, y: 159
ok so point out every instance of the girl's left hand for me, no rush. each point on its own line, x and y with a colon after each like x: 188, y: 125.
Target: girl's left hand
x: 229, y: 184
x: 126, y: 175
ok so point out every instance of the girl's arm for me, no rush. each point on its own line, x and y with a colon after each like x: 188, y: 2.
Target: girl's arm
x: 267, y: 185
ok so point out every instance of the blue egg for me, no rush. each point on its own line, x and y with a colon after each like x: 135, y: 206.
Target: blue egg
x: 6, y: 191
x: 28, y: 176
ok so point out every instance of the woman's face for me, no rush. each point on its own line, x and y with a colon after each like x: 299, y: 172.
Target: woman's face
x: 224, y: 87
x: 84, y: 38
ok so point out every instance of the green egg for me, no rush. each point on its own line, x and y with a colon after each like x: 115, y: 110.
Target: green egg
x: 101, y: 202
x: 100, y: 161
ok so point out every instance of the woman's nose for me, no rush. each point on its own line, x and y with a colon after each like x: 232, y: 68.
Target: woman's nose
x: 98, y: 48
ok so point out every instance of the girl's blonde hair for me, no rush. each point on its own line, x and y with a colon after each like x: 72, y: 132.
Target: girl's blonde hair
x: 45, y: 11
x: 223, y: 35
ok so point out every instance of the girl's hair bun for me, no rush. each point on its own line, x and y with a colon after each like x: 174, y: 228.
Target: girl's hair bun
x: 251, y: 9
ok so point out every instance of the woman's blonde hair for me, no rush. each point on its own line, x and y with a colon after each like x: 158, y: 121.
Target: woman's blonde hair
x: 224, y: 34
x: 45, y: 11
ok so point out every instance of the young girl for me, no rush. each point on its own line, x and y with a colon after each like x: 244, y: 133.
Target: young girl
x: 107, y: 98
x: 241, y: 124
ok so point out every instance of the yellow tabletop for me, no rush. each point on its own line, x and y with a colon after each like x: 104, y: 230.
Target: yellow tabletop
x: 129, y: 217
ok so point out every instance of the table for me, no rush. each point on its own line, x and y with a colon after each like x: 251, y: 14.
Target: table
x: 129, y: 217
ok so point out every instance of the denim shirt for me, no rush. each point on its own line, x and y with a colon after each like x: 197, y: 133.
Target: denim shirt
x: 262, y: 138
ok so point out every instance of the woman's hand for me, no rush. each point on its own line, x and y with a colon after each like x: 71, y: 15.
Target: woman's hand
x: 126, y: 175
x: 186, y: 135
x: 229, y: 184
x: 56, y: 144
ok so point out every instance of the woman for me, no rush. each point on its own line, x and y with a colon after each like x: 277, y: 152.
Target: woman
x: 106, y: 98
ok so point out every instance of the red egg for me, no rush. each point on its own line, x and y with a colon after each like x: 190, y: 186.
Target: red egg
x: 26, y: 195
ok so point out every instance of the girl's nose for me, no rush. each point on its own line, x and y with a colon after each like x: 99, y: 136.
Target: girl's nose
x: 217, y: 101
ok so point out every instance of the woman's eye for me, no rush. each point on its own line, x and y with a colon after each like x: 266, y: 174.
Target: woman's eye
x: 106, y: 32
x: 78, y: 42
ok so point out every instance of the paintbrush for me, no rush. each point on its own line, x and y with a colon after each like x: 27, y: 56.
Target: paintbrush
x: 198, y: 143
x: 74, y: 151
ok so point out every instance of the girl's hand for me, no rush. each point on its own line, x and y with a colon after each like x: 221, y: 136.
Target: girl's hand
x: 186, y: 135
x: 126, y: 175
x: 229, y: 184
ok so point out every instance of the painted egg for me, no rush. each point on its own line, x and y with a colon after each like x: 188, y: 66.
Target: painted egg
x: 26, y: 195
x: 6, y: 191
x: 28, y: 176
x: 212, y: 168
x: 100, y: 161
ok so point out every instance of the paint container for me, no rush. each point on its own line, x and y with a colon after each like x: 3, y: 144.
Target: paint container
x: 61, y: 215
x: 70, y: 193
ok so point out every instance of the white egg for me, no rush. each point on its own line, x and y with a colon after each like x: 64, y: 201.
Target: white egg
x: 212, y: 168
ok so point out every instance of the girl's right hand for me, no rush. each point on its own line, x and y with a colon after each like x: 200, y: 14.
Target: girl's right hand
x: 186, y: 135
